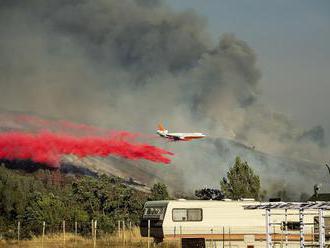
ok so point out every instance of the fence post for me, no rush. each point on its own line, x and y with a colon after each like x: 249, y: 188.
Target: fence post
x: 95, y: 228
x: 75, y: 232
x: 149, y: 233
x: 130, y: 230
x: 63, y: 225
x: 123, y: 232
x: 118, y: 228
x: 43, y: 233
x: 18, y: 230
x: 92, y: 231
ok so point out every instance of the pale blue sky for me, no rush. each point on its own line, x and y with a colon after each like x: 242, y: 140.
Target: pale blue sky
x: 292, y: 41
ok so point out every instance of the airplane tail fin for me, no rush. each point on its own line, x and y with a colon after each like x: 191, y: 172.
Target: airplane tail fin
x: 161, y: 127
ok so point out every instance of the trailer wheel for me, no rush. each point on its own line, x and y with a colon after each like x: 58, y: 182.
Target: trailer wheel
x: 193, y: 243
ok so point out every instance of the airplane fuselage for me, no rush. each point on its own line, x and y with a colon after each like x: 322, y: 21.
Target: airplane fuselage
x: 180, y: 136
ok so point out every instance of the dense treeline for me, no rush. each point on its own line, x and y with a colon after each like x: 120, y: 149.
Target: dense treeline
x: 49, y: 196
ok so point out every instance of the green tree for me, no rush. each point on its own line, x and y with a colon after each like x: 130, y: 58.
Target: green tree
x: 209, y: 194
x: 159, y: 192
x: 31, y: 199
x: 241, y: 182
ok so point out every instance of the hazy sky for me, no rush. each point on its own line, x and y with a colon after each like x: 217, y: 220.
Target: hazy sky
x: 291, y: 39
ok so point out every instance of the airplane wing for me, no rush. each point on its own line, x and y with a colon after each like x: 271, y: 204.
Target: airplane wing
x: 175, y: 137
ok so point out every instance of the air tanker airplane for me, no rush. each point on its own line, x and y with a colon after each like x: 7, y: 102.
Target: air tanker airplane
x: 178, y: 136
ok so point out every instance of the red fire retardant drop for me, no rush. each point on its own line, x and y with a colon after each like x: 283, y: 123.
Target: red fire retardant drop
x: 49, y: 148
x: 62, y: 125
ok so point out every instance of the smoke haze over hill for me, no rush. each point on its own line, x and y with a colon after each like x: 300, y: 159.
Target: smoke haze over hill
x: 129, y: 64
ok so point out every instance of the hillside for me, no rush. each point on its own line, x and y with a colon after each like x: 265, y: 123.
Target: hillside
x: 138, y: 174
x: 295, y: 176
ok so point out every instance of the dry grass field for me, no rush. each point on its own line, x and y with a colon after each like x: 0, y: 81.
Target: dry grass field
x: 128, y: 239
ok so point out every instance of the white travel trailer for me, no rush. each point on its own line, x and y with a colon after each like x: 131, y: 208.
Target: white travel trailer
x: 206, y: 223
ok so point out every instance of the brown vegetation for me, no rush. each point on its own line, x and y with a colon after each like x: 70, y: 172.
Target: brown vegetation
x: 129, y: 238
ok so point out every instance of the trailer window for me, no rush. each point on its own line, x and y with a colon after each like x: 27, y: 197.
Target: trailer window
x: 194, y: 214
x: 187, y: 214
x: 179, y: 214
x: 153, y: 212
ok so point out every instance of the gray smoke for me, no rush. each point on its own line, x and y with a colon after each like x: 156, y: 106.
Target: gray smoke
x: 315, y: 134
x: 129, y: 64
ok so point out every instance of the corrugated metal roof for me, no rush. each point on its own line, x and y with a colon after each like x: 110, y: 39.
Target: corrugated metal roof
x: 290, y: 205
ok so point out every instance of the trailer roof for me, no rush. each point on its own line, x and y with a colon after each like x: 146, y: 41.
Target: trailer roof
x: 198, y: 203
x: 289, y: 205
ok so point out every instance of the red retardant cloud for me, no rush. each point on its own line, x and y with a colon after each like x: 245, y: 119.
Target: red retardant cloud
x: 49, y: 148
x: 58, y: 125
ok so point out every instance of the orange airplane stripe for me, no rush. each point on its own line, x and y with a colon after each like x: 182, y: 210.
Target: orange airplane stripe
x: 193, y: 137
